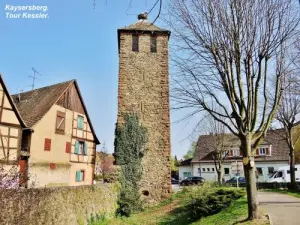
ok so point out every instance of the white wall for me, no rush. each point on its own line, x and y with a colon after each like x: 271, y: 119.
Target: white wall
x: 183, y: 169
x: 212, y: 175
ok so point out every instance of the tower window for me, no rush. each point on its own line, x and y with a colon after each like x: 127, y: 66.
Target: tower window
x: 153, y: 43
x: 135, y: 43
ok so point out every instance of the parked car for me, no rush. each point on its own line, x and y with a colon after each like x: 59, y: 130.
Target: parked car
x: 192, y: 181
x: 174, y: 181
x: 233, y: 180
x: 282, y: 175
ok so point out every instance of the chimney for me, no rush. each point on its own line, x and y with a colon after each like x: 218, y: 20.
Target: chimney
x: 143, y: 16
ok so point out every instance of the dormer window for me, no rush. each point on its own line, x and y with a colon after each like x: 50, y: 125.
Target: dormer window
x: 135, y: 43
x: 153, y: 43
x: 262, y: 151
x: 235, y: 152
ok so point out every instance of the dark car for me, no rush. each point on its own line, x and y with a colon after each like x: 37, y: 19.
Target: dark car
x: 233, y: 180
x: 174, y: 181
x: 192, y: 181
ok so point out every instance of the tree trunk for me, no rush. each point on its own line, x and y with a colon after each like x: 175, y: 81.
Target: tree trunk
x: 250, y: 179
x: 292, y: 169
x: 219, y: 172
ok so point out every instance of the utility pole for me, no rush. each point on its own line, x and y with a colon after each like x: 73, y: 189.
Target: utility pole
x: 34, y: 77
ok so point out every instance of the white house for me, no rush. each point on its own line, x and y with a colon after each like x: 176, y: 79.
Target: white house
x: 185, y: 169
x: 270, y: 155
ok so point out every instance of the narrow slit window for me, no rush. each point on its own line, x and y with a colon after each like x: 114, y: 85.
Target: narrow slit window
x: 153, y: 43
x: 135, y: 43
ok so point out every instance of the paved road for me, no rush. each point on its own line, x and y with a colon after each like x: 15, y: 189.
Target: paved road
x: 283, y: 209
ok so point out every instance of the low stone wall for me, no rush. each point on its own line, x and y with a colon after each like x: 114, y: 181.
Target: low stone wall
x: 59, y: 206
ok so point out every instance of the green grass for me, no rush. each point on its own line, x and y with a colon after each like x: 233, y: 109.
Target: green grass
x: 288, y: 192
x: 235, y: 214
x: 174, y: 211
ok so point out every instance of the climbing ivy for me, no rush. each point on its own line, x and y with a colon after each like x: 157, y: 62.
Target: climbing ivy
x: 130, y: 140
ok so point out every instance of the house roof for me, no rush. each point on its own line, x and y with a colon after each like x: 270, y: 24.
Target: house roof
x: 33, y: 105
x: 186, y: 162
x: 22, y: 122
x: 280, y: 150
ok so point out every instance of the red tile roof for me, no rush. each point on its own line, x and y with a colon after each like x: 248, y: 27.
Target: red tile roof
x: 33, y: 105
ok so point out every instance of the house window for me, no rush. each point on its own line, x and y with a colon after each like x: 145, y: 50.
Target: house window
x: 47, y: 144
x: 79, y: 175
x: 262, y: 151
x: 226, y: 171
x: 187, y: 174
x: 270, y: 170
x: 208, y: 169
x: 153, y: 43
x: 225, y: 153
x: 81, y: 148
x: 236, y: 152
x: 60, y: 122
x: 135, y: 43
x: 203, y: 169
x: 80, y: 122
x: 213, y: 169
x: 259, y: 171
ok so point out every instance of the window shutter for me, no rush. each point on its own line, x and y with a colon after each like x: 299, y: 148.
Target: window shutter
x: 47, y: 144
x: 68, y: 147
x: 60, y: 122
x: 52, y: 166
x: 241, y: 153
x: 257, y: 151
x: 267, y: 151
x: 78, y: 176
x: 80, y: 122
x: 85, y: 148
x: 230, y: 152
x: 76, y: 147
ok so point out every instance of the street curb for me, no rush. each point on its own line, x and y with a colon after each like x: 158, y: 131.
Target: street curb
x: 270, y: 219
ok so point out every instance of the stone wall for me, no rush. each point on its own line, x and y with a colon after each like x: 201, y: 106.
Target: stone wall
x: 144, y: 89
x: 57, y: 206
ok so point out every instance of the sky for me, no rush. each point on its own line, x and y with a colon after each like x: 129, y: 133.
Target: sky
x: 76, y: 41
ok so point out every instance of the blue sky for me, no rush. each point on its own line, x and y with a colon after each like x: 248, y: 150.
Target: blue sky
x: 76, y: 42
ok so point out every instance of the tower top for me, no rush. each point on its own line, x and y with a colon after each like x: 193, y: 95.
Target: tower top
x: 143, y: 25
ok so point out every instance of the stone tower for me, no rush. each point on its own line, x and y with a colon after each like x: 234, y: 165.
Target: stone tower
x: 144, y: 89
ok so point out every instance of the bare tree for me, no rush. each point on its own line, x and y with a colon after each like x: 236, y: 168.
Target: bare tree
x: 226, y: 53
x: 288, y: 114
x: 220, y: 145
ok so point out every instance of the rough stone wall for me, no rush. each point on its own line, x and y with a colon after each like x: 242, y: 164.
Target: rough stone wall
x: 144, y: 89
x: 57, y: 206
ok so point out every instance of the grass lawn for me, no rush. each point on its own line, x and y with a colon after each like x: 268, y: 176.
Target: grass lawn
x: 288, y: 192
x: 235, y: 214
x: 174, y: 212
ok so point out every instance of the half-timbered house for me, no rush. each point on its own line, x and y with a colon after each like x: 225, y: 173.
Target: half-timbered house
x: 11, y: 125
x: 62, y: 146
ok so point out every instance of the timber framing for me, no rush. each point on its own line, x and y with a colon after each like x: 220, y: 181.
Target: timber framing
x: 14, y: 108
